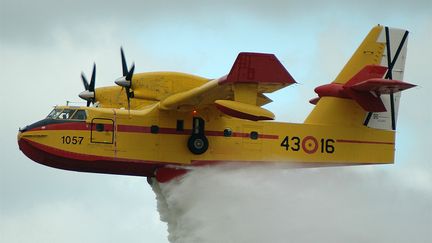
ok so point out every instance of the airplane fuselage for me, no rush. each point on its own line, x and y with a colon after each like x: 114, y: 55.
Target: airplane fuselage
x: 156, y: 121
x: 117, y: 141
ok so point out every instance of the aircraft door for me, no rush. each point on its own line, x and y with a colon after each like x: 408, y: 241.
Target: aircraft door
x: 102, y: 131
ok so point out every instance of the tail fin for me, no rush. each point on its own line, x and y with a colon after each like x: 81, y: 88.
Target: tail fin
x: 361, y: 94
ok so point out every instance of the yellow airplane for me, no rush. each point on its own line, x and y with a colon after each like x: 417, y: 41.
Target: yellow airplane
x: 158, y: 124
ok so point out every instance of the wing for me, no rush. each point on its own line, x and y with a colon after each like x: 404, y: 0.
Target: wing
x: 252, y: 75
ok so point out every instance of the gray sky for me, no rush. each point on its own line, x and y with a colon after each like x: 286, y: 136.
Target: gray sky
x: 44, y: 45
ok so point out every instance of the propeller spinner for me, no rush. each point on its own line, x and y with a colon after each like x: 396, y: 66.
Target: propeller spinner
x: 89, y: 93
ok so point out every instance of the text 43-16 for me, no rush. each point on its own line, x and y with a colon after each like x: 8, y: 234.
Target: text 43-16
x: 308, y: 144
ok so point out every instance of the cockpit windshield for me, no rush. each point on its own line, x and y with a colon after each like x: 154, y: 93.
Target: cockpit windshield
x: 54, y: 113
x: 67, y: 114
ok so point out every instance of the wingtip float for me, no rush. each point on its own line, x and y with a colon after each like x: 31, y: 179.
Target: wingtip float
x: 157, y: 124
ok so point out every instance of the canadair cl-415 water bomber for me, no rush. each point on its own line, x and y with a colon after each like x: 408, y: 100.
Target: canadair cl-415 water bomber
x: 159, y: 124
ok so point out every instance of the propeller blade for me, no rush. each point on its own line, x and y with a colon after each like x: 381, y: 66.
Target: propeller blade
x: 85, y: 82
x: 130, y: 74
x: 127, y: 89
x: 128, y: 105
x: 124, y: 65
x: 89, y: 93
x: 93, y: 79
x: 127, y: 76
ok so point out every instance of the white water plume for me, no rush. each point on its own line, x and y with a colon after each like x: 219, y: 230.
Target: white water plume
x: 270, y: 203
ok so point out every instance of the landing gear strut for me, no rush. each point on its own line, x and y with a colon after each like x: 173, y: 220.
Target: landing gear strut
x: 198, y: 142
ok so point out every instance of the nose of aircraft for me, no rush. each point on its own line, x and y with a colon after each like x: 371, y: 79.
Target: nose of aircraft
x: 20, y: 136
x: 29, y: 142
x: 21, y: 132
x: 21, y: 140
x: 24, y: 133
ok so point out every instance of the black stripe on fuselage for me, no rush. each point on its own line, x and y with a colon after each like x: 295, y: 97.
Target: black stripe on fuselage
x: 46, y: 122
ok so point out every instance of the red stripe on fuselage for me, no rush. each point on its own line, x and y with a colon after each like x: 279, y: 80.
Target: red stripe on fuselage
x: 82, y: 126
x: 173, y: 131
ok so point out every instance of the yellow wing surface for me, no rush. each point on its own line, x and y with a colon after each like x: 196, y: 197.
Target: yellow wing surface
x: 240, y: 93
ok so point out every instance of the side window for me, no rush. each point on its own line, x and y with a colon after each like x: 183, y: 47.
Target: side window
x: 254, y: 135
x: 154, y: 129
x: 180, y: 125
x: 100, y: 127
x: 80, y: 115
x: 227, y: 132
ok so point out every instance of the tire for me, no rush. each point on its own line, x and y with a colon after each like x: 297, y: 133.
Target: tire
x: 198, y: 144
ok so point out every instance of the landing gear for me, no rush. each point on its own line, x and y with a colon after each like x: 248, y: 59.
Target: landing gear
x: 198, y: 143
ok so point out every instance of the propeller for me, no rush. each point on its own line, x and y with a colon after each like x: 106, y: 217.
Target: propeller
x: 126, y: 80
x: 89, y: 93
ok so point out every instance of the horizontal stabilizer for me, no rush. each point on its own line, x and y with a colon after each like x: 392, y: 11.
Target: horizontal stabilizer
x: 368, y: 72
x: 365, y: 87
x: 382, y: 86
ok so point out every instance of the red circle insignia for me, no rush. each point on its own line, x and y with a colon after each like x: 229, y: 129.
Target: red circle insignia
x: 310, y: 144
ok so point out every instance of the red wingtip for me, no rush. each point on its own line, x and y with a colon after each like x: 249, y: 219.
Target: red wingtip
x: 258, y: 68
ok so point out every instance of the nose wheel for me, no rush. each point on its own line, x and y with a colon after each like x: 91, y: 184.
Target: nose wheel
x: 198, y: 143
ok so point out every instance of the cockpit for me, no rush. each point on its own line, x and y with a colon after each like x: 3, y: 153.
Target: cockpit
x: 67, y: 114
x: 60, y: 115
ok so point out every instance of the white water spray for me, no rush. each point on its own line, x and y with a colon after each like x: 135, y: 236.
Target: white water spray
x: 270, y: 203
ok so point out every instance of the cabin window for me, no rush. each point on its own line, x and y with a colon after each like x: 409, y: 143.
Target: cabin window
x: 79, y: 115
x: 254, y: 135
x: 154, y: 129
x: 180, y: 125
x: 227, y: 132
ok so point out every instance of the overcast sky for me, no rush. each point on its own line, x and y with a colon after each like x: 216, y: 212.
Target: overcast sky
x: 44, y: 45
